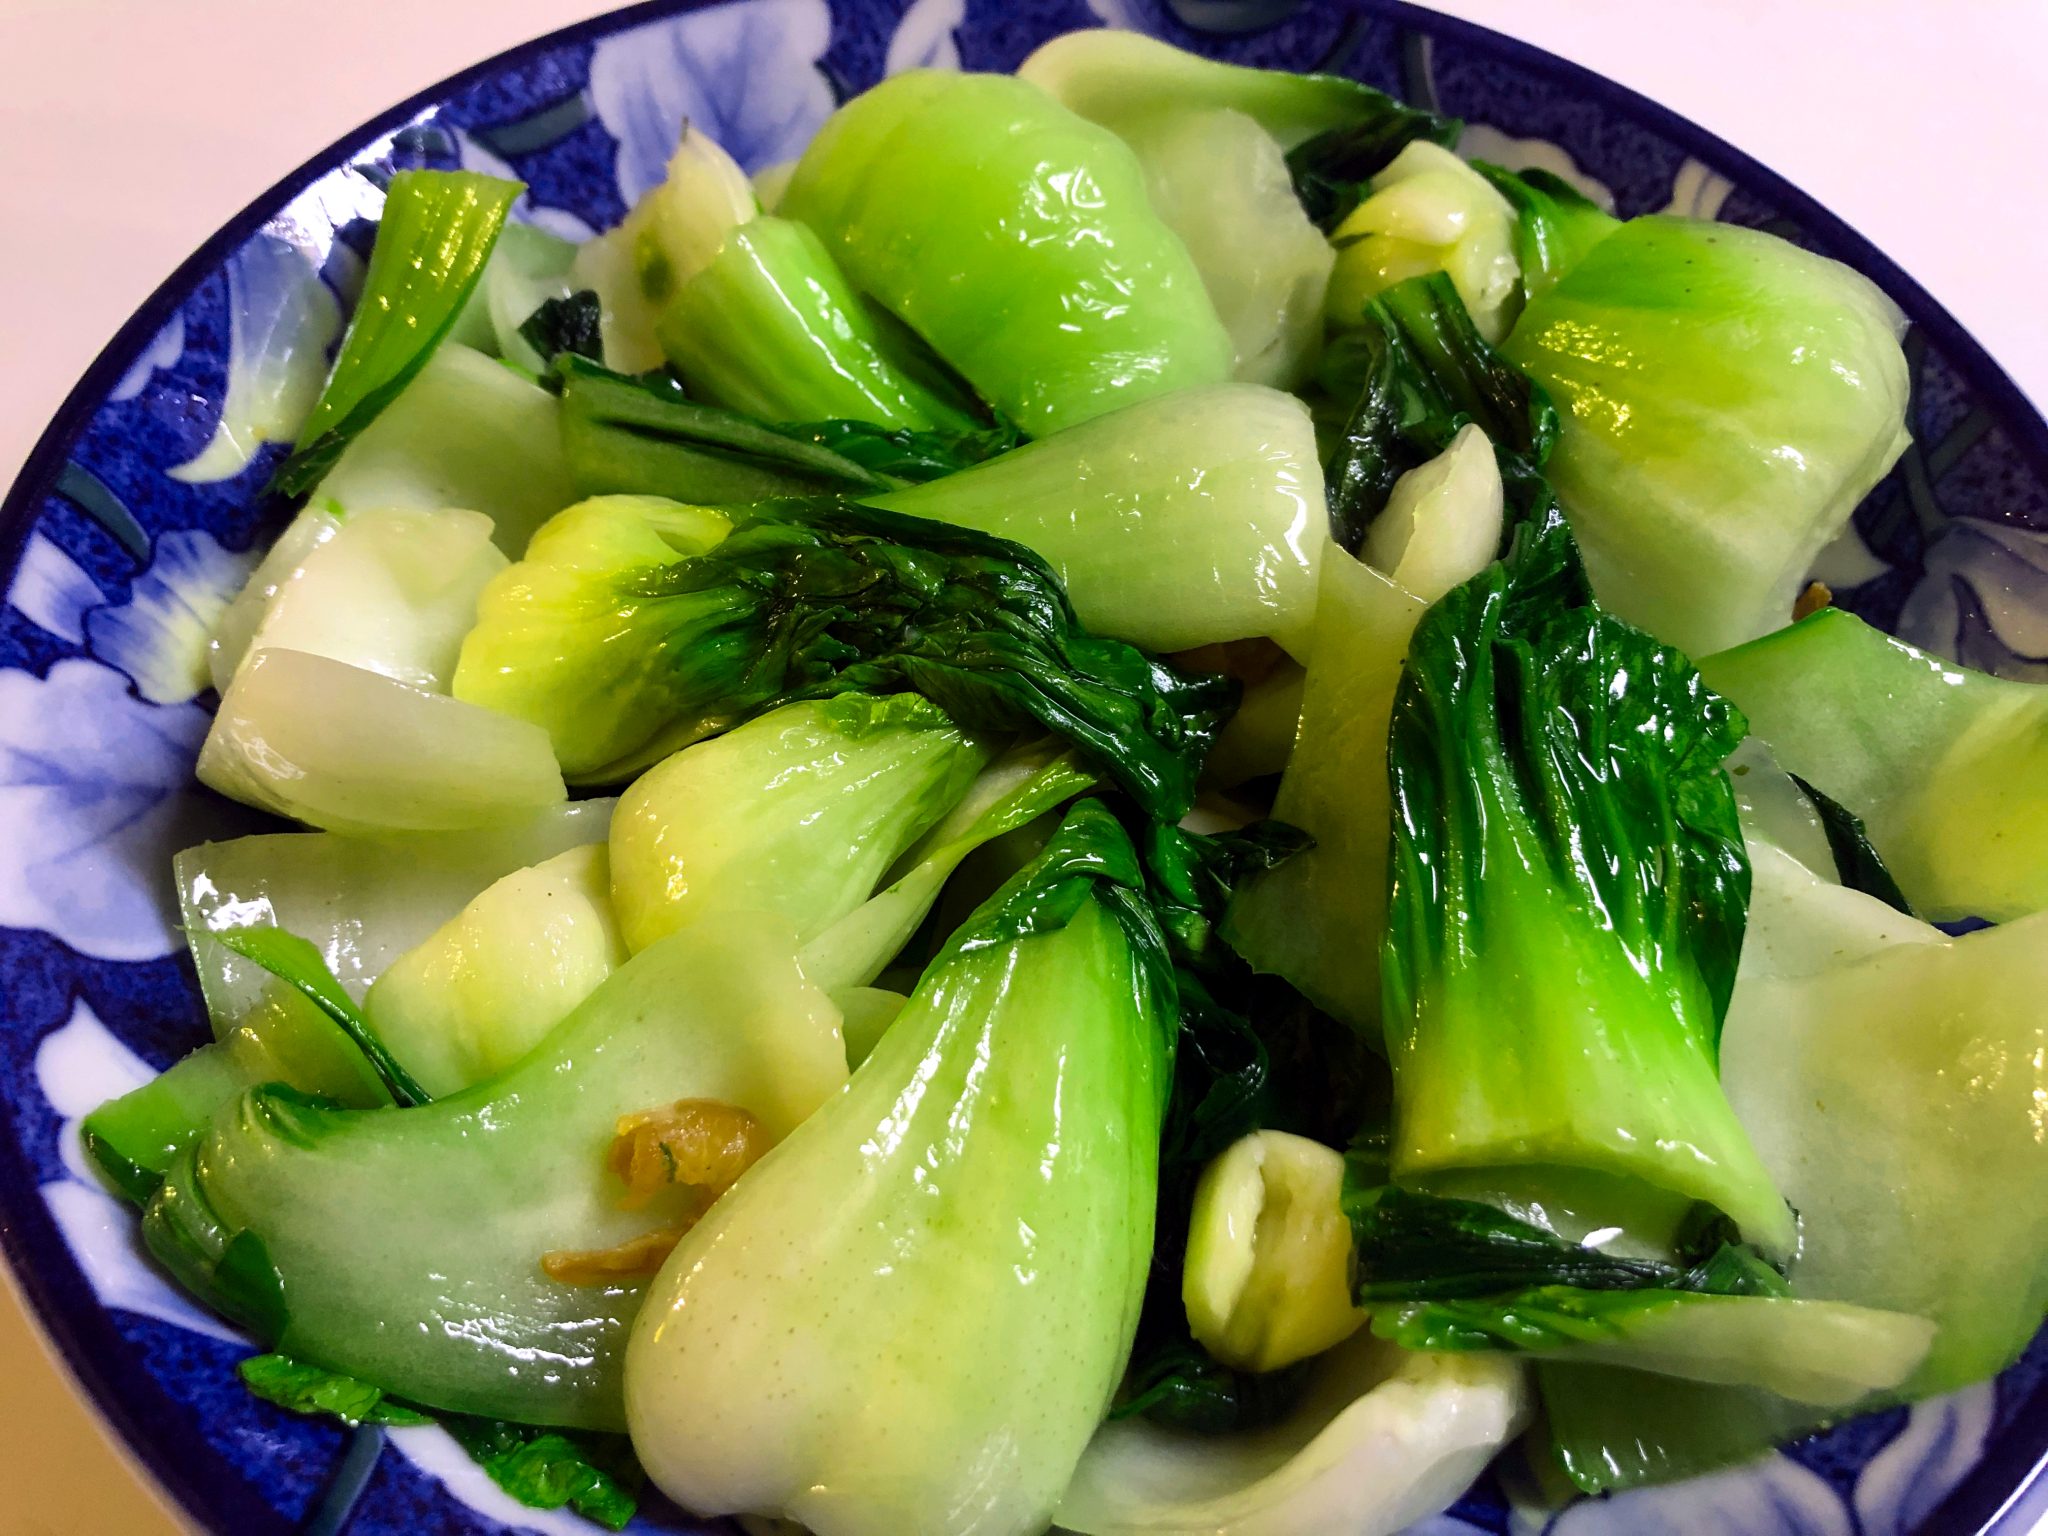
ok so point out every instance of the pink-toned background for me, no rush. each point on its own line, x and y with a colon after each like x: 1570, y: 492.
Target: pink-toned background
x: 129, y: 129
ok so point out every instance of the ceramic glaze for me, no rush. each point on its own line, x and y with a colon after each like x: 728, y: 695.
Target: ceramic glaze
x: 137, y: 518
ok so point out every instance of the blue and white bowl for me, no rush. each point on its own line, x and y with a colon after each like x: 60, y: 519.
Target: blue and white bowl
x: 134, y: 521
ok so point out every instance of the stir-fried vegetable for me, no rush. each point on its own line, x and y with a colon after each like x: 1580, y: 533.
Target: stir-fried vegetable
x: 1319, y: 918
x: 1429, y: 212
x: 466, y: 432
x: 967, y: 1228
x: 797, y: 813
x: 1856, y: 1050
x: 926, y: 1101
x: 1182, y: 521
x: 1213, y: 141
x: 1382, y: 1438
x: 631, y: 629
x: 345, y: 748
x: 1727, y: 400
x: 315, y: 1226
x: 488, y: 985
x: 435, y: 235
x: 390, y: 592
x: 1565, y: 911
x: 1942, y: 764
x: 1017, y: 238
x: 771, y: 327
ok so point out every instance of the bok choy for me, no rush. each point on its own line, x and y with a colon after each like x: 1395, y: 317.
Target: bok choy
x: 1565, y: 910
x: 314, y: 1226
x: 433, y: 240
x: 1181, y: 938
x: 969, y: 1224
x: 1939, y: 761
x: 632, y: 629
x: 1727, y: 399
x: 983, y: 214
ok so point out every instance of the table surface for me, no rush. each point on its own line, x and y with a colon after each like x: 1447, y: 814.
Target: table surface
x: 130, y: 129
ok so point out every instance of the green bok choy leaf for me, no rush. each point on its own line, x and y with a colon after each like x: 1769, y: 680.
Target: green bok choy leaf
x: 1942, y: 764
x: 626, y: 637
x: 435, y: 235
x: 1566, y: 906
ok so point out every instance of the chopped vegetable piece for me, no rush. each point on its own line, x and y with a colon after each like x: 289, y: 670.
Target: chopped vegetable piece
x: 1220, y: 182
x: 467, y: 432
x: 1555, y: 223
x: 541, y: 1469
x: 1857, y: 864
x: 1565, y: 911
x: 297, y: 963
x: 1177, y: 522
x: 1212, y: 139
x: 771, y: 327
x: 679, y: 227
x: 1817, y: 1352
x: 1113, y: 77
x: 1260, y: 736
x: 646, y: 437
x: 1443, y: 520
x: 986, y: 216
x: 238, y: 622
x: 316, y: 1226
x: 1727, y: 400
x: 592, y: 1475
x: 1943, y: 765
x: 1317, y: 919
x: 391, y: 592
x: 1859, y: 1051
x: 302, y: 1388
x: 528, y: 272
x: 363, y: 901
x: 1419, y: 374
x: 1429, y: 212
x: 626, y: 646
x: 134, y: 1138
x: 487, y: 986
x: 967, y: 1227
x: 1382, y: 1438
x: 1335, y: 171
x: 436, y: 233
x: 1026, y: 783
x: 799, y: 812
x: 572, y: 325
x: 1897, y: 1097
x: 339, y: 747
x: 1801, y: 924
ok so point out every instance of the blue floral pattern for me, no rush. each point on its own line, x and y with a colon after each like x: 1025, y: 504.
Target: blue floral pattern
x: 746, y: 74
x: 137, y: 518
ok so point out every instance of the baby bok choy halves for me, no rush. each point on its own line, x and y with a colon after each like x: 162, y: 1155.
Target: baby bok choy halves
x: 1566, y: 907
x: 1230, y: 880
x: 314, y: 1226
x: 922, y: 1302
x: 632, y: 628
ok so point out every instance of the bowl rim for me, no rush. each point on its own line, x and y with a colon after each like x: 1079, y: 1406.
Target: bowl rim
x: 2002, y: 1495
